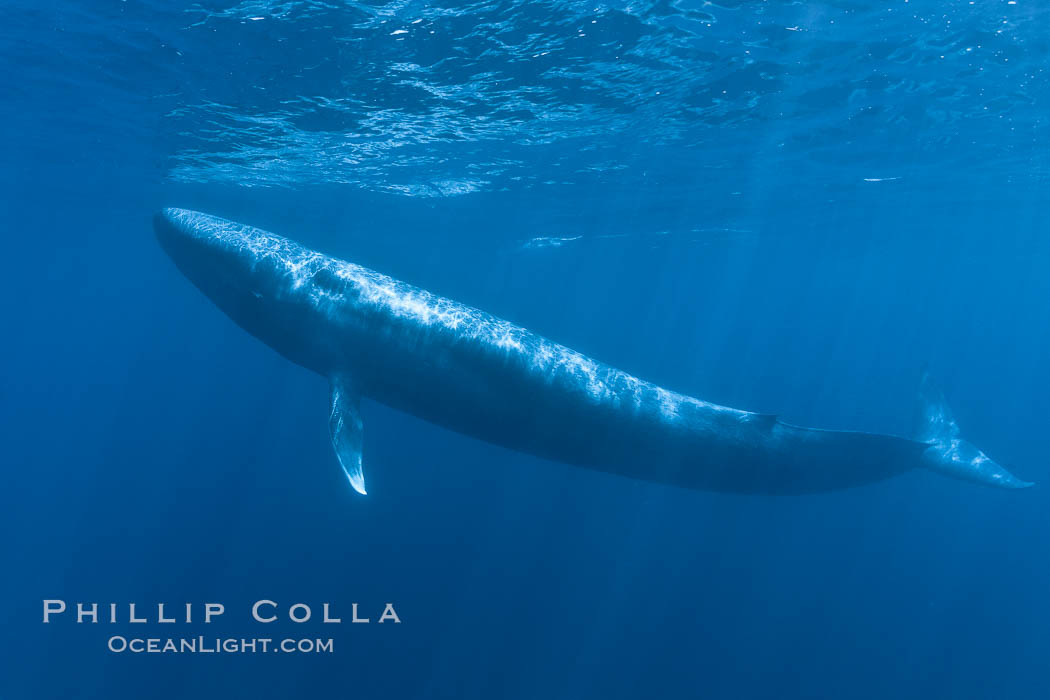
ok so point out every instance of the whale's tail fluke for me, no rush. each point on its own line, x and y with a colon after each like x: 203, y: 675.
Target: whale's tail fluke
x: 936, y: 422
x: 947, y: 452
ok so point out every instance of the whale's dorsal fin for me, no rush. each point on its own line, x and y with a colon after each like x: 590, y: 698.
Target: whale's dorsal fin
x: 344, y: 422
x: 765, y: 421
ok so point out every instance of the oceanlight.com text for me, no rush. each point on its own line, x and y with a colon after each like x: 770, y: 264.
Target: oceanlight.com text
x: 218, y: 645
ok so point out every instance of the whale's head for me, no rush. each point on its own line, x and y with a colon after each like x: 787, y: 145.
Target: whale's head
x: 222, y: 258
x: 256, y: 277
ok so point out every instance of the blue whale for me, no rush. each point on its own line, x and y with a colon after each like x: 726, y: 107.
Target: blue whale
x: 481, y: 376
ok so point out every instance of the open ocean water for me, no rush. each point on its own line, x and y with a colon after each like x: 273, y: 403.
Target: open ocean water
x: 785, y: 207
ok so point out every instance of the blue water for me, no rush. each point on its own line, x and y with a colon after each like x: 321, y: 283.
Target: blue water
x: 778, y: 206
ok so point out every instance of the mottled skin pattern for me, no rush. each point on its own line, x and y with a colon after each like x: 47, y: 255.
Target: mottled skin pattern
x: 485, y: 377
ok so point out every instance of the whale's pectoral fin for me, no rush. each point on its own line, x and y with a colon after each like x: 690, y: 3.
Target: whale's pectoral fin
x: 344, y: 422
x: 946, y: 452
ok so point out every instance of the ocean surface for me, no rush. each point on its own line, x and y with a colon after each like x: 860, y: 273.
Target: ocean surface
x: 784, y: 207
